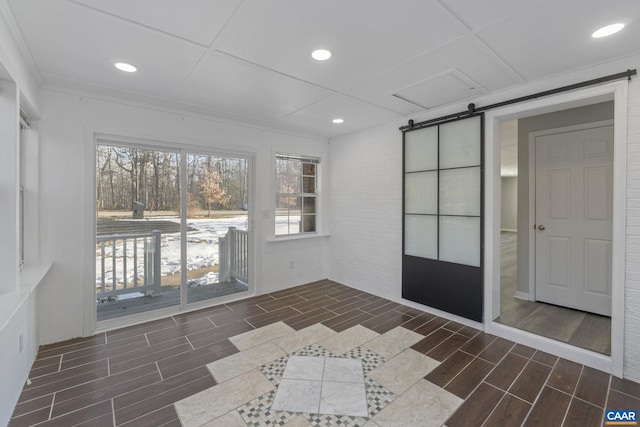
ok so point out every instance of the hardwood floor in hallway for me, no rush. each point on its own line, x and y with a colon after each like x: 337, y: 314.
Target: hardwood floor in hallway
x: 586, y: 330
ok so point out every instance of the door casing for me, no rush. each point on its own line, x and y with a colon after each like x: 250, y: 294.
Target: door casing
x: 618, y: 91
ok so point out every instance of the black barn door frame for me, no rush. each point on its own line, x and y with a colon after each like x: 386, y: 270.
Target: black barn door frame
x: 448, y: 286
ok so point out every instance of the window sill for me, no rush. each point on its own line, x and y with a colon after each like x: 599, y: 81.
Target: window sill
x: 297, y: 237
x: 10, y: 302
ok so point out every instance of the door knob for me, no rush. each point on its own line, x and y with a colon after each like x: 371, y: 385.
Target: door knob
x: 541, y: 227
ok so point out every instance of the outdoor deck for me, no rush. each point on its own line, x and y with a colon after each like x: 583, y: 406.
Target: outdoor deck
x: 169, y: 298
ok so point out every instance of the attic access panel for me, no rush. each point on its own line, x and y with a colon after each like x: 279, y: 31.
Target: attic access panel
x: 443, y: 200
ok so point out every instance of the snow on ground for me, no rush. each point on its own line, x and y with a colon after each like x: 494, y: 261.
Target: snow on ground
x: 202, y: 251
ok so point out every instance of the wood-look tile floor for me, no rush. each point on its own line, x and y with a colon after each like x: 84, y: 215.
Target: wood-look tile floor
x: 133, y: 376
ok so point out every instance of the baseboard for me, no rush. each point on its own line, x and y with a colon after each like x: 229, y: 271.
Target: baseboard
x: 510, y: 230
x: 521, y: 295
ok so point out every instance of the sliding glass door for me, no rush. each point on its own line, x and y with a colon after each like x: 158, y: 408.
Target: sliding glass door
x: 171, y: 228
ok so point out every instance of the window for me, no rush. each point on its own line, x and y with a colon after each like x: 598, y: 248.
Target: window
x: 296, y: 194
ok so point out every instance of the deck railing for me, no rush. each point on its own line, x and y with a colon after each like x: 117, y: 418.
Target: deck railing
x: 234, y: 258
x: 126, y: 253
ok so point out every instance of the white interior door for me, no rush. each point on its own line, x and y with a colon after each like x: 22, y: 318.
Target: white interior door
x: 574, y: 204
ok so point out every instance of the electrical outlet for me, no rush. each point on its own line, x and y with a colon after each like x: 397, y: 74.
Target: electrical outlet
x: 21, y: 340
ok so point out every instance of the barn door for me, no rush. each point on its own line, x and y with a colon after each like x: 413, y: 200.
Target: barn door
x: 442, y: 216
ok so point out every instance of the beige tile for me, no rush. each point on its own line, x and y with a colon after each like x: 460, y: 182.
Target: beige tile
x: 424, y: 405
x: 303, y: 337
x: 216, y: 401
x: 231, y: 419
x: 244, y: 361
x: 348, y: 339
x: 298, y: 421
x: 393, y: 342
x: 371, y: 424
x: 261, y: 335
x: 403, y: 371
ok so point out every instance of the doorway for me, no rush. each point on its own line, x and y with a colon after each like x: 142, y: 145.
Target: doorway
x: 507, y: 308
x: 171, y: 230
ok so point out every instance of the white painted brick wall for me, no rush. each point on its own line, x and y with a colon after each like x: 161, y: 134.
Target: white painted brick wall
x: 632, y: 279
x: 365, y: 201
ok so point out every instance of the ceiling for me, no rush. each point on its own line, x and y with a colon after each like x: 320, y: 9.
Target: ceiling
x: 250, y: 60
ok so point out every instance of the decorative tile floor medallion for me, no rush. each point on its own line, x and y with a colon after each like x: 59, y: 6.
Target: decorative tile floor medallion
x: 325, y: 389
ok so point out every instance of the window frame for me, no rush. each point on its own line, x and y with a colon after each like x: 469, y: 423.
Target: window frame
x: 303, y: 195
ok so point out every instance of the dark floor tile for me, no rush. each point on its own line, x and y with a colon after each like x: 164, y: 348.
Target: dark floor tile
x: 310, y: 318
x: 448, y: 369
x: 33, y: 405
x: 386, y: 322
x: 549, y: 409
x: 197, y: 358
x: 408, y: 310
x: 388, y: 309
x: 453, y: 326
x: 496, y: 350
x: 78, y: 358
x: 544, y: 358
x: 506, y: 371
x: 379, y: 307
x: 448, y: 347
x: 102, y: 410
x: 511, y: 411
x: 626, y: 386
x: 41, y: 363
x: 160, y: 387
x: 341, y: 307
x: 141, y: 329
x: 618, y: 400
x: 160, y: 400
x: 45, y: 370
x: 431, y: 341
x: 312, y: 304
x: 123, y: 363
x: 30, y: 418
x: 156, y: 418
x: 433, y: 325
x: 63, y: 380
x: 271, y: 317
x: 467, y: 380
x: 67, y: 346
x: 523, y: 350
x: 250, y: 301
x: 468, y: 331
x: 477, y: 407
x: 344, y: 293
x: 103, y: 421
x: 478, y: 343
x: 565, y: 375
x: 277, y: 304
x: 63, y: 407
x: 530, y: 382
x: 200, y: 314
x: 221, y: 333
x: 103, y: 385
x: 418, y: 321
x: 593, y: 386
x: 583, y: 414
x: 179, y: 331
x: 346, y: 317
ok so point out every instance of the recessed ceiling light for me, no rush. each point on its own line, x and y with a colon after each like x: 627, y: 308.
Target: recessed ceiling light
x: 321, y: 54
x: 338, y: 121
x: 127, y: 68
x: 607, y: 31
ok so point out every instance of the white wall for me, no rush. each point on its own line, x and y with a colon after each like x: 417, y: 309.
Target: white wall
x: 17, y: 289
x: 68, y: 122
x: 365, y: 187
x: 509, y: 217
x: 365, y: 200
